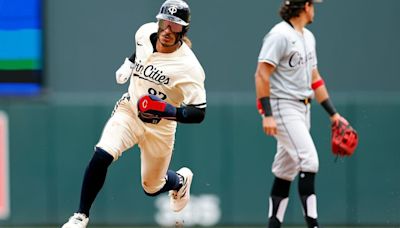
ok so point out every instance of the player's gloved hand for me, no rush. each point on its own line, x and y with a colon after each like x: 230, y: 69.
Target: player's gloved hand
x: 124, y: 72
x: 344, y: 138
x: 152, y: 109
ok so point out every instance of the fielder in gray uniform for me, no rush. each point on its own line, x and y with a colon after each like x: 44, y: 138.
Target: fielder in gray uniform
x: 287, y: 78
x: 166, y: 87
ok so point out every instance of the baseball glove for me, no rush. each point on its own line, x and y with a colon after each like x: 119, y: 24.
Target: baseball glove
x: 344, y: 138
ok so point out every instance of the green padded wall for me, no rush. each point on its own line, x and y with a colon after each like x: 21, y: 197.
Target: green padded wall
x: 50, y: 145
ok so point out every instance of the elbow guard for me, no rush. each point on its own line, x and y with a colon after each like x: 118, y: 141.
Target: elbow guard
x: 124, y: 72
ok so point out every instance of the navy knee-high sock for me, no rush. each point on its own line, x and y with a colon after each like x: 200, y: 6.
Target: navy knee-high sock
x: 93, y: 180
x: 278, y: 202
x: 173, y: 182
x: 308, y: 198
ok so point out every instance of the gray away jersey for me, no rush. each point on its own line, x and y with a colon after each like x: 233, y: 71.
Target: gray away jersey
x: 294, y: 56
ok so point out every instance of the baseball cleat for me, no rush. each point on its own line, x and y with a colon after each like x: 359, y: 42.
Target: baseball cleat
x: 179, y: 199
x: 78, y: 220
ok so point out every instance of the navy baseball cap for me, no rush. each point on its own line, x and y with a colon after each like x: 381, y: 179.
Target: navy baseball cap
x: 298, y: 2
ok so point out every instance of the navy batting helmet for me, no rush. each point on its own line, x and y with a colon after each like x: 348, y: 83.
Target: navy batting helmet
x: 176, y: 11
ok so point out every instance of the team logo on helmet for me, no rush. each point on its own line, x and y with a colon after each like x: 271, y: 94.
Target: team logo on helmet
x: 172, y: 10
x: 176, y: 11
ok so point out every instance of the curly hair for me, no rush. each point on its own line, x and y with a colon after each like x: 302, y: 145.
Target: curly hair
x: 292, y: 9
x: 187, y: 41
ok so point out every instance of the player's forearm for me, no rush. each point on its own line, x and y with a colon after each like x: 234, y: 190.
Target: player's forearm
x: 262, y: 87
x: 262, y: 83
x: 152, y: 109
x: 322, y: 97
x: 262, y: 76
x: 318, y: 85
x: 263, y: 96
x: 321, y: 94
x: 189, y: 114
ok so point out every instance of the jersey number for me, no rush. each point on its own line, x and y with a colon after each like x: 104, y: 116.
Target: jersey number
x: 157, y: 93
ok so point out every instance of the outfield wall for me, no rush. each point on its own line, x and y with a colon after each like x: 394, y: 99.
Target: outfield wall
x: 50, y: 145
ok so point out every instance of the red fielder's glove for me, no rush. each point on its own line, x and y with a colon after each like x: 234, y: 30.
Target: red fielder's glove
x: 344, y: 138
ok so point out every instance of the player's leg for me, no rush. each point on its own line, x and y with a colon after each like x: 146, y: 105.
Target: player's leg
x: 156, y: 152
x: 308, y: 169
x: 308, y: 198
x: 116, y: 138
x: 285, y: 170
x: 156, y: 178
x: 295, y: 136
x: 306, y: 187
x: 278, y: 202
x: 93, y: 179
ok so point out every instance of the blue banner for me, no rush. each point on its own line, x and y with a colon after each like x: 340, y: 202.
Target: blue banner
x: 20, y: 40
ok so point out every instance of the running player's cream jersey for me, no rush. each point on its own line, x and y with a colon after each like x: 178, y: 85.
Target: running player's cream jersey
x: 178, y: 78
x: 294, y: 56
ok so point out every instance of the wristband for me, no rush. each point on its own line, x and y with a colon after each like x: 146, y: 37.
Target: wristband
x: 133, y: 57
x: 264, y: 106
x: 328, y: 106
x: 315, y: 85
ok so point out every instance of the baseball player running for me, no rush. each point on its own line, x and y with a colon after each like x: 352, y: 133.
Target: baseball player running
x: 286, y: 79
x: 166, y: 87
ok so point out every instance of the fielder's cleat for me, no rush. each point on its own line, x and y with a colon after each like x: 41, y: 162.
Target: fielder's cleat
x: 78, y: 220
x: 179, y: 199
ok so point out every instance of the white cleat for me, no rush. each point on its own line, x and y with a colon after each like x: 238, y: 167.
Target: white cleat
x: 179, y: 199
x: 78, y: 220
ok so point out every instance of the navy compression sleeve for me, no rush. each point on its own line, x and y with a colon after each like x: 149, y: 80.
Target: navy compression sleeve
x: 189, y: 114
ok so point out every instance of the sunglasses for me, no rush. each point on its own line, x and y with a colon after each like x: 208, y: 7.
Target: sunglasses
x: 174, y: 27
